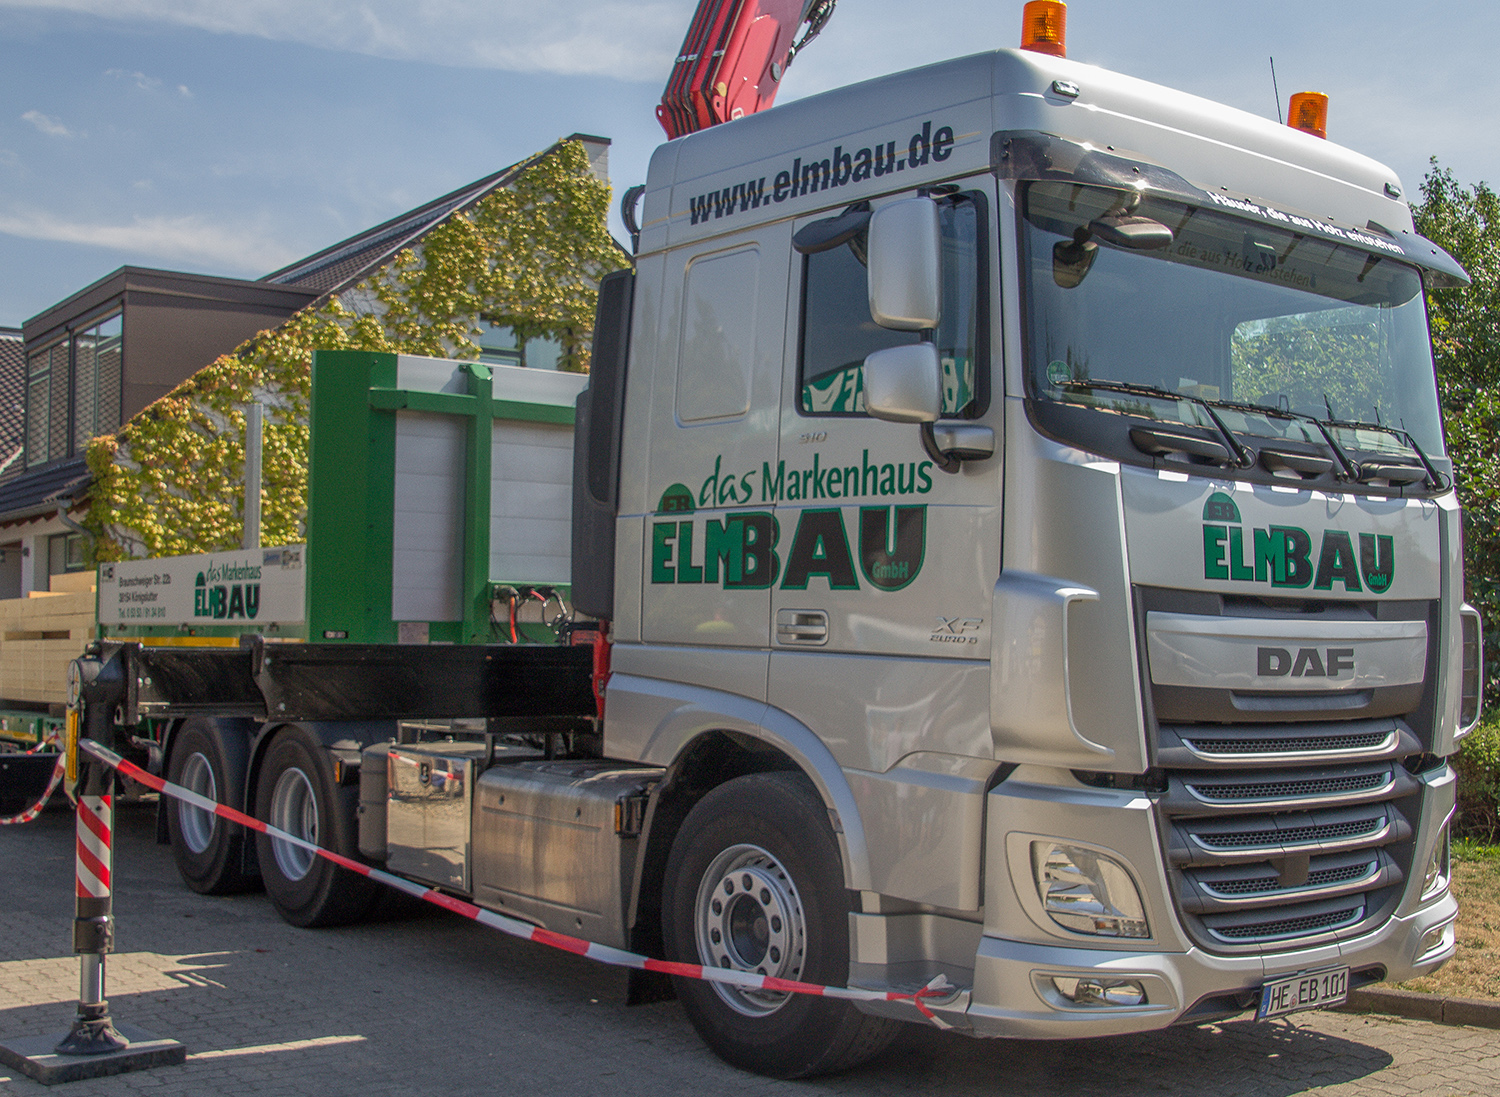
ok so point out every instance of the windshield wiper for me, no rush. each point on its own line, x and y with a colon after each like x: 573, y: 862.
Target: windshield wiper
x: 1242, y: 456
x: 1434, y: 480
x: 1352, y: 470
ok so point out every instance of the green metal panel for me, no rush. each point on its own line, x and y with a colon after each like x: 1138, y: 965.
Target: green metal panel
x: 350, y: 486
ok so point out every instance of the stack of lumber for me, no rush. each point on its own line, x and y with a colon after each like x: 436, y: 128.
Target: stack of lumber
x: 39, y: 636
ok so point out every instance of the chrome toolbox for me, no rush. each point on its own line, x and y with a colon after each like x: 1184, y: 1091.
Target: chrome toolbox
x: 429, y: 806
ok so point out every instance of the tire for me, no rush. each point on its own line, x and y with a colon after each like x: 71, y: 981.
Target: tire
x: 209, y: 852
x: 296, y: 792
x: 792, y: 921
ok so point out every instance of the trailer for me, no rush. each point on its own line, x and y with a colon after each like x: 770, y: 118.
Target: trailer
x: 1006, y: 540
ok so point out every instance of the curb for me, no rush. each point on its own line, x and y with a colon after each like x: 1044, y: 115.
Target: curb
x: 1423, y: 1007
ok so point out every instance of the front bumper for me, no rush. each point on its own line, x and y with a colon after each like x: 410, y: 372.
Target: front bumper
x: 1018, y: 951
x: 1013, y: 994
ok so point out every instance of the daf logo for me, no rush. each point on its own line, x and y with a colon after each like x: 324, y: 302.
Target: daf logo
x: 1306, y: 663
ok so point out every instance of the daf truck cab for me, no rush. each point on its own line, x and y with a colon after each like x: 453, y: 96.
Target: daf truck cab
x: 1040, y: 472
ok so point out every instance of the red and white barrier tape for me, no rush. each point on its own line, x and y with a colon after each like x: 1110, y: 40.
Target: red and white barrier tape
x: 36, y: 809
x: 49, y: 739
x: 747, y: 980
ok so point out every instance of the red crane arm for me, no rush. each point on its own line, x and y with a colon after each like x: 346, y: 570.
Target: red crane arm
x: 733, y: 58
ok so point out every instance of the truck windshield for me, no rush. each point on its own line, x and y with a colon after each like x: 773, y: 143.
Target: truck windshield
x: 1274, y: 328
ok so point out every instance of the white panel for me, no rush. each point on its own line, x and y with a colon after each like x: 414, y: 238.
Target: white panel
x: 427, y: 547
x: 531, y: 502
x: 430, y: 374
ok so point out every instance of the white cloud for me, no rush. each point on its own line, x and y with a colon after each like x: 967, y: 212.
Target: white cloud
x: 139, y: 79
x: 189, y: 239
x: 628, y: 39
x: 47, y: 124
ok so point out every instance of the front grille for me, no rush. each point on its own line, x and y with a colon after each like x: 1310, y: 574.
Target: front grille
x: 1284, y: 745
x: 1270, y: 883
x: 1255, y: 839
x: 1286, y: 928
x: 1289, y: 788
x: 1288, y: 824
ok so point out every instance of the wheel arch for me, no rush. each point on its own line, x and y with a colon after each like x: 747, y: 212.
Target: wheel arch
x: 703, y: 745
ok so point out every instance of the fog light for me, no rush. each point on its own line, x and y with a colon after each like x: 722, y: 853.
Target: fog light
x: 1435, y: 940
x: 1104, y: 993
x: 1087, y: 892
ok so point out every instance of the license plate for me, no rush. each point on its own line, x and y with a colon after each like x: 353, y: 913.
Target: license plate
x: 1310, y: 990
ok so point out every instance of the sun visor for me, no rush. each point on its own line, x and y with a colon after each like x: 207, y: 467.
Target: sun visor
x: 1032, y: 154
x: 1439, y: 269
x: 1035, y: 155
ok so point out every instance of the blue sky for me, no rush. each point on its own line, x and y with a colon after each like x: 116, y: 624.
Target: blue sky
x: 233, y: 136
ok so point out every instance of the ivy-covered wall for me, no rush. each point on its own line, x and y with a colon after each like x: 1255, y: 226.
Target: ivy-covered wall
x: 528, y: 257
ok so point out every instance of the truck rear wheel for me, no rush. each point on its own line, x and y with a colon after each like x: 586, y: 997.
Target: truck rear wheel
x: 754, y: 883
x: 296, y: 793
x: 210, y: 852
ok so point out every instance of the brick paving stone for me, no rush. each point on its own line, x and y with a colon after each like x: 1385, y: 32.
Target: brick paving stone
x: 427, y: 1003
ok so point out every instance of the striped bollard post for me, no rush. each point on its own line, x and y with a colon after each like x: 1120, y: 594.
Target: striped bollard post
x: 93, y: 1032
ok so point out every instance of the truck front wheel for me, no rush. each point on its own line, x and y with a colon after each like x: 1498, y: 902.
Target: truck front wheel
x: 754, y: 883
x: 209, y: 852
x: 296, y: 793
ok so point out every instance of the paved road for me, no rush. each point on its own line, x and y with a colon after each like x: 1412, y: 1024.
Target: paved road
x: 433, y: 1004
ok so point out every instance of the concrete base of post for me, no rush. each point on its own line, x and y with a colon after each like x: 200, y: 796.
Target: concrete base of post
x: 37, y: 1057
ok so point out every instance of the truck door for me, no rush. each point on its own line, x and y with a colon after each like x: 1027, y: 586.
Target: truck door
x: 709, y: 544
x: 885, y: 562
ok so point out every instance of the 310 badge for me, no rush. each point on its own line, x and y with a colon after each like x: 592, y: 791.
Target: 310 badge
x: 739, y: 550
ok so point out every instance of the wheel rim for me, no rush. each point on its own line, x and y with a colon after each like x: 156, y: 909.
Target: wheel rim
x: 750, y: 918
x: 294, y: 809
x: 195, y: 824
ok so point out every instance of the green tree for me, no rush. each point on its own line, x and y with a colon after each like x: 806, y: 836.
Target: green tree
x: 1466, y: 345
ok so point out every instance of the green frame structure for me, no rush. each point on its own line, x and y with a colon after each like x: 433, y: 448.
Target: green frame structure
x: 351, y: 493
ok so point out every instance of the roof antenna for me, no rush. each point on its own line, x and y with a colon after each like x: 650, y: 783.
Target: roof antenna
x: 1277, y: 90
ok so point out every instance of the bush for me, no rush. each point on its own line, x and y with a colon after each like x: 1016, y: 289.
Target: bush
x: 1478, y: 765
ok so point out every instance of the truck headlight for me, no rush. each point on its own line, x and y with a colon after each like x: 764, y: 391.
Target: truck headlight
x: 1087, y: 892
x: 1439, y: 866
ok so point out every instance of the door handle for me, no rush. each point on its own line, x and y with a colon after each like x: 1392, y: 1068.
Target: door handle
x: 802, y: 626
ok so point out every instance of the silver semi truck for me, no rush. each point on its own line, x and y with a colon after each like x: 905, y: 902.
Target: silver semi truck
x: 1012, y: 502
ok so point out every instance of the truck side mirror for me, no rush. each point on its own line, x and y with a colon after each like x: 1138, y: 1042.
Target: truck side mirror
x: 904, y: 254
x: 904, y: 384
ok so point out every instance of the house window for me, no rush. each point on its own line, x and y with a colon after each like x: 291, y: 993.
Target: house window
x: 47, y: 404
x: 499, y: 346
x: 96, y: 380
x: 64, y: 553
x: 73, y: 391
